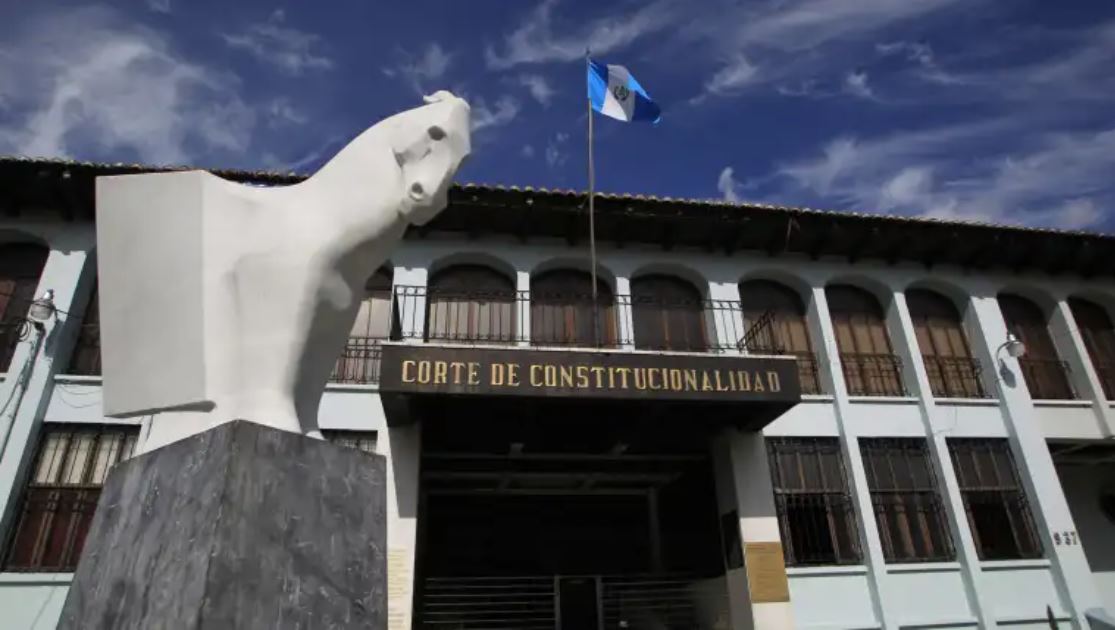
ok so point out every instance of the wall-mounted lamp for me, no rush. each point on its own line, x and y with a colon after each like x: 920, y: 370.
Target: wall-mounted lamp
x: 1013, y: 346
x: 42, y: 309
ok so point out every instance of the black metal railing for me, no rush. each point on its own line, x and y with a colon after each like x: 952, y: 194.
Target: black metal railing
x: 954, y: 377
x: 359, y: 361
x: 872, y: 374
x: 1047, y: 379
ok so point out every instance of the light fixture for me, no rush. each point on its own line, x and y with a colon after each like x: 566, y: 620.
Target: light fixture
x: 42, y: 309
x: 1014, y: 346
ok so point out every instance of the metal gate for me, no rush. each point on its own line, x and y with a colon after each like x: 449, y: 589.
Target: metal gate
x: 632, y: 602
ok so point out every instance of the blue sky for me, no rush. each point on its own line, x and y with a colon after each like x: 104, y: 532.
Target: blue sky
x: 974, y: 109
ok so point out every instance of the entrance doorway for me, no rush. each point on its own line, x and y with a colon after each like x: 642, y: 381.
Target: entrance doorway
x: 567, y: 517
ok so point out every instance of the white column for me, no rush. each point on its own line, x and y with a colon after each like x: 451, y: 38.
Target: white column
x: 905, y: 340
x: 403, y: 449
x: 743, y: 486
x: 849, y: 446
x: 30, y: 379
x: 1035, y: 465
x: 726, y: 315
x: 522, y: 308
x: 1082, y: 374
x: 410, y: 297
x: 625, y: 318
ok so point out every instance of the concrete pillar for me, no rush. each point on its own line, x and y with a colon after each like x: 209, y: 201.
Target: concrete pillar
x: 1035, y: 464
x: 905, y: 342
x: 403, y: 449
x: 30, y: 378
x: 726, y: 316
x: 1070, y: 345
x: 410, y: 300
x: 743, y: 487
x: 625, y: 317
x: 833, y: 379
x: 522, y: 308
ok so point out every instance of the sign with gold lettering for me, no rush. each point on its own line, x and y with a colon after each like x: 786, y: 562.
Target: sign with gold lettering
x: 410, y: 368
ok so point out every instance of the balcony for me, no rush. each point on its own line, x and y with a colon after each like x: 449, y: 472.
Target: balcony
x: 954, y: 377
x: 1048, y: 379
x: 872, y: 374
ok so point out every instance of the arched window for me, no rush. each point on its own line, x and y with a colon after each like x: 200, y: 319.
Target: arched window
x: 86, y: 358
x: 1095, y: 328
x: 21, y: 264
x: 774, y: 318
x: 667, y: 314
x: 561, y: 310
x: 470, y: 303
x: 1045, y: 373
x: 375, y: 322
x: 870, y: 365
x: 944, y: 347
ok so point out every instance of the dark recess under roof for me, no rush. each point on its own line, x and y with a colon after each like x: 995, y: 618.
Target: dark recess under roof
x: 27, y: 186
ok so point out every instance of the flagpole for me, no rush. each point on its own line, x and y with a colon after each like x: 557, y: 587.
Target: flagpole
x: 592, y: 216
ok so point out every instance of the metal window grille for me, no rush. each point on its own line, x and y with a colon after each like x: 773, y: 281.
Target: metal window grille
x: 954, y: 377
x: 58, y: 503
x: 997, y: 508
x: 872, y: 374
x: 1047, y: 379
x: 813, y: 502
x: 907, y: 504
x: 86, y: 358
x: 361, y: 440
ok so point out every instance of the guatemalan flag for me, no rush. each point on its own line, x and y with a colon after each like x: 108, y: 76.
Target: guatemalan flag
x: 612, y: 91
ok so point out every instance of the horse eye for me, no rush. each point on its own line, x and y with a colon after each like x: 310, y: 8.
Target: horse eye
x: 436, y: 133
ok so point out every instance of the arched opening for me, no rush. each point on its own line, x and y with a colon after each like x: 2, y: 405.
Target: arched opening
x: 1096, y: 329
x: 667, y: 314
x: 561, y: 310
x: 1045, y: 373
x: 375, y: 322
x: 945, y: 352
x: 21, y: 265
x: 86, y: 357
x: 869, y: 364
x: 774, y: 318
x: 471, y: 303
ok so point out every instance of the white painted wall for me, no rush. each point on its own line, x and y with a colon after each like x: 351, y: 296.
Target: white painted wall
x: 871, y: 595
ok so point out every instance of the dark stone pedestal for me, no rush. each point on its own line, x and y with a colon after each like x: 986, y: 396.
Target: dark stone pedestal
x: 240, y: 527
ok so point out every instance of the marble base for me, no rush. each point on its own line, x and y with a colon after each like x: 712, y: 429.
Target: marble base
x: 242, y: 526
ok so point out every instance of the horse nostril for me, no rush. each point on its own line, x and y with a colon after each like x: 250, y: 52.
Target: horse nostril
x: 416, y: 189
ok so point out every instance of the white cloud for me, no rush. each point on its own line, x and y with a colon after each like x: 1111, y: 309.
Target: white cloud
x: 732, y: 77
x: 855, y: 83
x: 89, y: 84
x: 1052, y: 179
x: 422, y: 71
x: 555, y: 149
x: 727, y: 185
x: 159, y: 6
x: 280, y: 113
x: 538, y: 87
x: 287, y: 48
x: 535, y: 40
x: 505, y: 110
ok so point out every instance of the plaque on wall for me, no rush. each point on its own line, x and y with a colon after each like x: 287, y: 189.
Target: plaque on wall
x: 766, y: 572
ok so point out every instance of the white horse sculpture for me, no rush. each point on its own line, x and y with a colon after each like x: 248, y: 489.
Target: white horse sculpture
x: 222, y: 301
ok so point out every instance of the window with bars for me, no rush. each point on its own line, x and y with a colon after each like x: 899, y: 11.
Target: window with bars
x: 21, y: 264
x: 86, y: 358
x: 561, y: 310
x: 1046, y: 375
x: 998, y: 511
x: 785, y: 332
x: 870, y: 366
x: 58, y: 503
x: 908, y: 507
x: 471, y: 303
x: 376, y: 321
x: 667, y: 314
x: 361, y: 440
x: 949, y: 364
x: 1098, y: 334
x: 814, y: 505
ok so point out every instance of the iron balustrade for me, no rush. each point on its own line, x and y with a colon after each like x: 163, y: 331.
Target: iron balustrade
x: 872, y: 374
x: 954, y: 377
x: 1048, y: 379
x: 359, y: 361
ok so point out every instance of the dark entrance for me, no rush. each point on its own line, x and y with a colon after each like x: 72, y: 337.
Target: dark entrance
x: 566, y: 515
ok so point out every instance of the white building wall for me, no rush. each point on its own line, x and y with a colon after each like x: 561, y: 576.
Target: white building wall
x: 965, y: 593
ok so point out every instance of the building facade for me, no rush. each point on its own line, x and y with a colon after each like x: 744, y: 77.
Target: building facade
x: 925, y: 477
